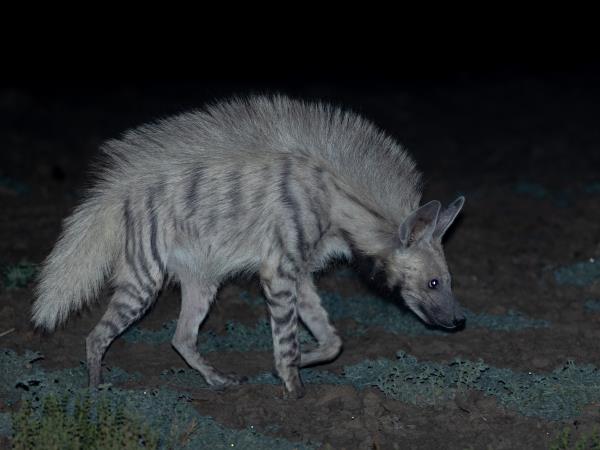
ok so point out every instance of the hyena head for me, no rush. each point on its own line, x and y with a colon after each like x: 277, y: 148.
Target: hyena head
x: 418, y: 265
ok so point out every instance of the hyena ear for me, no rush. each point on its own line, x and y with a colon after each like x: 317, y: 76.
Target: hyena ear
x: 447, y: 216
x: 420, y: 224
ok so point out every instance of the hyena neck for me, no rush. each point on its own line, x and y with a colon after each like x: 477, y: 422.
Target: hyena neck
x: 368, y: 230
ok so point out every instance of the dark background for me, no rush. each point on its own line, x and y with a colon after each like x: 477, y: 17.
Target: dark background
x: 462, y: 115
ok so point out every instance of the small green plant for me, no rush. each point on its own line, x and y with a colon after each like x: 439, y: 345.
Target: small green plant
x: 566, y: 441
x: 581, y: 273
x: 19, y: 275
x: 60, y: 424
x: 467, y: 373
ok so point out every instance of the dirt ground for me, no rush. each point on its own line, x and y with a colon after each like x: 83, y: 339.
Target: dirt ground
x: 524, y: 150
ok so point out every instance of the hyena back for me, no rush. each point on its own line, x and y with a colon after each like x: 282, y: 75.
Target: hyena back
x: 267, y: 185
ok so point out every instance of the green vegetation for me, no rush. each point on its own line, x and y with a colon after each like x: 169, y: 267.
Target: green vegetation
x: 152, y: 418
x: 558, y: 395
x: 586, y: 441
x: 62, y: 424
x: 19, y: 275
x: 579, y: 274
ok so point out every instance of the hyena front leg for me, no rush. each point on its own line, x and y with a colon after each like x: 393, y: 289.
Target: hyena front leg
x: 280, y: 293
x: 315, y: 318
x: 196, y: 298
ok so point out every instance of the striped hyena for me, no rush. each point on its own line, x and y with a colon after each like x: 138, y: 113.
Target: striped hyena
x: 268, y: 185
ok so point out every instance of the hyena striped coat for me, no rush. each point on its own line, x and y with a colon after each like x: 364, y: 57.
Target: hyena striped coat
x: 266, y: 184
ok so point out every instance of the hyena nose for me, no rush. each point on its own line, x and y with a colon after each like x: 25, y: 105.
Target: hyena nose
x: 459, y: 322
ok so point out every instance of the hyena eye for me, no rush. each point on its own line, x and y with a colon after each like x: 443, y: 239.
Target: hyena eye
x: 433, y: 283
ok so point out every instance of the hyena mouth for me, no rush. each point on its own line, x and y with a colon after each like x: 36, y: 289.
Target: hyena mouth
x: 424, y: 314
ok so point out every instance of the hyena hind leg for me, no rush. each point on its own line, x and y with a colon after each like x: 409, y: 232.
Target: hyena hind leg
x: 316, y: 319
x: 280, y: 293
x: 126, y: 306
x: 196, y: 299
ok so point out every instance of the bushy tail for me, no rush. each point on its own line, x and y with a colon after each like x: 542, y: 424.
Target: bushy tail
x: 74, y: 271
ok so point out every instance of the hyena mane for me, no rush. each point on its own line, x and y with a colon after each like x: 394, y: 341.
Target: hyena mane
x: 264, y: 184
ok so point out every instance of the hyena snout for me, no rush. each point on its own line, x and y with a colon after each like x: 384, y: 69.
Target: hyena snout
x: 454, y: 318
x: 459, y: 321
x: 446, y: 314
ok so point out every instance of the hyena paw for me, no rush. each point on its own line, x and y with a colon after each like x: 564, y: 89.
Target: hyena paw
x: 223, y: 380
x: 294, y: 390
